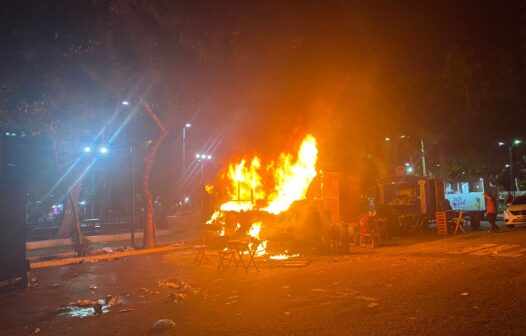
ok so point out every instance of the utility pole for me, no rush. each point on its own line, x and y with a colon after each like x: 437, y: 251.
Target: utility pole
x: 132, y: 215
x: 422, y: 150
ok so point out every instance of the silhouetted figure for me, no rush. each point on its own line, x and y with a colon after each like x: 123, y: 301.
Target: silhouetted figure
x: 491, y: 211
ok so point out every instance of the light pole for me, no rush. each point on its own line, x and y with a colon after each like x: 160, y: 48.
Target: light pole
x: 132, y: 182
x: 515, y: 142
x: 202, y: 158
x: 187, y: 125
x: 422, y: 151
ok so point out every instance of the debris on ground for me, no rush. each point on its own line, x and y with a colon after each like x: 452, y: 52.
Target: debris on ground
x: 292, y: 263
x: 33, y: 282
x: 84, y: 303
x: 372, y: 305
x: 88, y: 307
x: 107, y: 249
x: 318, y: 290
x: 178, y: 285
x: 126, y: 310
x: 96, y: 305
x: 92, y: 287
x: 176, y: 297
x: 124, y: 249
x: 464, y: 294
x: 37, y: 330
x: 111, y: 300
x: 366, y: 298
x: 163, y: 324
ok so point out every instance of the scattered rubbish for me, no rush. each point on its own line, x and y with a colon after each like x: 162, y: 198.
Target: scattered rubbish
x: 92, y: 287
x: 37, y: 330
x: 233, y: 297
x: 55, y: 285
x: 33, y: 282
x: 87, y: 307
x: 111, y: 300
x: 178, y: 285
x: 163, y: 324
x: 126, y: 310
x: 464, y: 294
x: 372, y: 305
x: 318, y: 290
x: 84, y: 308
x: 285, y: 287
x: 292, y: 262
x: 412, y: 318
x: 286, y: 313
x: 176, y: 297
x: 124, y: 249
x: 476, y: 307
x: 84, y: 303
x: 107, y: 249
x: 366, y: 298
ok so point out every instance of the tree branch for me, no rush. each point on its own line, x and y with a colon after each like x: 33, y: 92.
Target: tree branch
x: 154, y: 116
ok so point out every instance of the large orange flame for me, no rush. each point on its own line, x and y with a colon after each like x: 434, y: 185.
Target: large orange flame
x: 292, y: 176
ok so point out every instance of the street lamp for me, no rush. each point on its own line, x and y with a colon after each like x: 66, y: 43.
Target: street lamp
x: 87, y: 149
x: 125, y: 103
x: 103, y: 150
x: 202, y: 158
x: 515, y: 142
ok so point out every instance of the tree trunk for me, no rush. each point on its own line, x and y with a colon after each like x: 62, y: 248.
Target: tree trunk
x: 70, y: 223
x: 150, y: 239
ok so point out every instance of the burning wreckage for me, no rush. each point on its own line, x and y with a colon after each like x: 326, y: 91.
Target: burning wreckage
x: 276, y: 205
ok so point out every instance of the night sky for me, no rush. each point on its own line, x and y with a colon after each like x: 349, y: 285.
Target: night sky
x: 255, y: 76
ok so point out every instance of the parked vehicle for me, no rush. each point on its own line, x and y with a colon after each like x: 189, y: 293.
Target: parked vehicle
x: 515, y: 213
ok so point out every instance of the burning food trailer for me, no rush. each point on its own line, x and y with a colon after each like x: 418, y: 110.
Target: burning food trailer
x: 269, y: 204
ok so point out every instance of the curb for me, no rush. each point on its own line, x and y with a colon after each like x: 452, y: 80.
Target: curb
x: 110, y: 256
x: 38, y: 244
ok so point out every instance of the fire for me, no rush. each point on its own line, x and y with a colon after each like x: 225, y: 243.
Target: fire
x: 291, y: 174
x: 293, y: 179
x: 283, y: 256
x: 255, y: 230
x: 245, y: 186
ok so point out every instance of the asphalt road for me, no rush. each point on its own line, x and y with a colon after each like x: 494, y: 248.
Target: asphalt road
x: 473, y: 284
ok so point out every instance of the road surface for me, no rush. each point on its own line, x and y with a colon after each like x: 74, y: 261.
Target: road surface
x: 473, y: 284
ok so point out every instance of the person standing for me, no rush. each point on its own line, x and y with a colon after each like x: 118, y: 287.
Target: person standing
x: 491, y: 211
